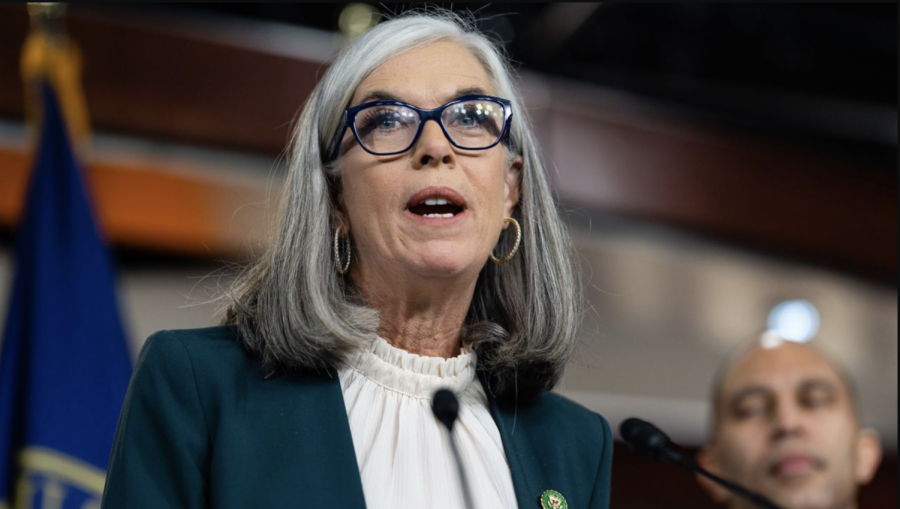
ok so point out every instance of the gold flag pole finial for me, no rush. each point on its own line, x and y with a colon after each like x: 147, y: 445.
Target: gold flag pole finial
x: 47, y: 16
x: 49, y: 54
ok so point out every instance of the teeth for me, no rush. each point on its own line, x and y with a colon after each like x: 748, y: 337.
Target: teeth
x: 436, y: 201
x: 439, y: 215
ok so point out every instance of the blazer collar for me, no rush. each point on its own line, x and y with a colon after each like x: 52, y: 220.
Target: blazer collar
x: 323, y: 404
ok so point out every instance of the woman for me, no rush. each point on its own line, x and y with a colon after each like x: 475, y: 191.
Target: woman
x: 413, y: 164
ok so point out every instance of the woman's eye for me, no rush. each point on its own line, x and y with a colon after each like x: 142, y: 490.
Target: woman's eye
x: 385, y: 120
x: 467, y: 120
x: 387, y: 123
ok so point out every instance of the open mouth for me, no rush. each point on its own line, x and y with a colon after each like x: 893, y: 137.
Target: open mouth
x: 436, y: 207
x: 437, y: 202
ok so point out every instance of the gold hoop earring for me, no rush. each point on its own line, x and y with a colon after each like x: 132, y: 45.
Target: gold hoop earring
x: 337, y: 252
x: 515, y: 247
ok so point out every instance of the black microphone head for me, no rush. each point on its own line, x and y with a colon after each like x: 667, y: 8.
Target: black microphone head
x: 644, y: 437
x: 445, y: 407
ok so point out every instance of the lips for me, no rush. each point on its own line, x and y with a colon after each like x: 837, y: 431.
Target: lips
x: 436, y: 202
x: 795, y: 465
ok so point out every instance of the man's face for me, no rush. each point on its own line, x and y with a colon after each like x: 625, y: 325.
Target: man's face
x: 786, y: 428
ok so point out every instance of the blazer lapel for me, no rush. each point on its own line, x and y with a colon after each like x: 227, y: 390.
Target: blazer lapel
x: 529, y: 480
x: 328, y: 471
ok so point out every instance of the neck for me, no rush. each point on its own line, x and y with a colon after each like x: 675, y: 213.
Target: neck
x: 428, y: 332
x: 424, y: 317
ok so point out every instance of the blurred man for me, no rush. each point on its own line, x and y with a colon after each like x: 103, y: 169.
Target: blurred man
x: 786, y: 425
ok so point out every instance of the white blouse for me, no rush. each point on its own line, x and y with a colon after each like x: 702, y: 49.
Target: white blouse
x: 402, y: 450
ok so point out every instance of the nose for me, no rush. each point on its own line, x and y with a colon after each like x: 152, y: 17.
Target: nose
x: 787, y: 421
x: 433, y: 148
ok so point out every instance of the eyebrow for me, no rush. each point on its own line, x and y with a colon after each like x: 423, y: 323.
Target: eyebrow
x: 383, y: 95
x: 378, y: 95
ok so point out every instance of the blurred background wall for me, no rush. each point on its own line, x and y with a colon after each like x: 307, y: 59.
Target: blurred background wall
x: 712, y: 161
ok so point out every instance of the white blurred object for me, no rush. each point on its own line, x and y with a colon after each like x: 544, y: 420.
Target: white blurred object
x: 794, y: 320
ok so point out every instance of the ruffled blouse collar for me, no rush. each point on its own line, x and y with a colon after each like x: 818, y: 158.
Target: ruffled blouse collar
x: 414, y: 375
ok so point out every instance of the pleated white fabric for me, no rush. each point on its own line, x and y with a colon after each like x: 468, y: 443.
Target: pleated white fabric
x: 403, y: 452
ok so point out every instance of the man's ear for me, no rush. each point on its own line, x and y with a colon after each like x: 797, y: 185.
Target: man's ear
x: 513, y: 184
x: 707, y: 459
x: 868, y: 455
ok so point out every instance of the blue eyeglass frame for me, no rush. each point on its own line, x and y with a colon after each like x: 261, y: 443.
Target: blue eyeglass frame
x: 424, y: 116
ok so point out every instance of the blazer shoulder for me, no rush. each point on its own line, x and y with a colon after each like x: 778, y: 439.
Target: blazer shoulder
x: 220, y: 340
x: 575, y: 426
x: 214, y: 335
x: 559, y: 405
x: 554, y: 419
x: 212, y: 352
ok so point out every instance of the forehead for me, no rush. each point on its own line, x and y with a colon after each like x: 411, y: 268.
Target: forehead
x: 782, y: 368
x: 428, y: 76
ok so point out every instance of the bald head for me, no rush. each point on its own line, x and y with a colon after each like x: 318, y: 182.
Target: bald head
x: 786, y: 425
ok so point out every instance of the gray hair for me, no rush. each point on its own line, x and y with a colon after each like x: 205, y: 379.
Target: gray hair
x: 295, y: 311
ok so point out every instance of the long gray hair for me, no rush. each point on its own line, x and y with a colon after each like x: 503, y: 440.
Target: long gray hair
x: 295, y: 311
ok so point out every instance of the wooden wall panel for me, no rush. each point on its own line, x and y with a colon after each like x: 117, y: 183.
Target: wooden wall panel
x: 759, y: 193
x: 152, y: 208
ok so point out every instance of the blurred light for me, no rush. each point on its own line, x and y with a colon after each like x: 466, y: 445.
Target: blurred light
x: 770, y: 339
x: 41, y: 8
x: 355, y: 19
x: 794, y: 320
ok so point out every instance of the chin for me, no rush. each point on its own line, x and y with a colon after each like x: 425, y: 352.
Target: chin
x: 807, y: 497
x: 446, y: 264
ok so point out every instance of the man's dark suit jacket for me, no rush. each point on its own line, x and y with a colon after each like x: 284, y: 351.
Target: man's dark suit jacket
x: 200, y: 428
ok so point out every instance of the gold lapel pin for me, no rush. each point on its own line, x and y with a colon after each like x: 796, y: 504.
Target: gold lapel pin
x: 552, y: 499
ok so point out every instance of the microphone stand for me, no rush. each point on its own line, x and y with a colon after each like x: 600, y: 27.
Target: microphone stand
x: 677, y: 458
x: 467, y: 493
x: 446, y: 408
x: 647, y: 439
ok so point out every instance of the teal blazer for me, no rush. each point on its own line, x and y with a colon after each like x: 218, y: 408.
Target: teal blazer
x: 200, y: 428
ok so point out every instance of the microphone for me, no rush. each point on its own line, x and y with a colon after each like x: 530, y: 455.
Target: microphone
x: 445, y: 407
x: 645, y: 438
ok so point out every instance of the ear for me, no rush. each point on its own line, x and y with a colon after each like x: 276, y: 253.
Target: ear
x: 868, y: 455
x: 513, y: 182
x: 707, y: 459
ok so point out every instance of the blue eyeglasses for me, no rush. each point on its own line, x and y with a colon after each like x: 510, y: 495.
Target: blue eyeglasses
x: 386, y: 127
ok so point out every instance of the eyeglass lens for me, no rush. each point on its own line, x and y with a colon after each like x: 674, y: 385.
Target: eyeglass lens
x: 473, y: 124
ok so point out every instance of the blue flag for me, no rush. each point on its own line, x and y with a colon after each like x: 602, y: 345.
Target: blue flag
x: 64, y: 362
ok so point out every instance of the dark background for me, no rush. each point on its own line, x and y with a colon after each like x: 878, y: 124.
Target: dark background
x: 754, y: 66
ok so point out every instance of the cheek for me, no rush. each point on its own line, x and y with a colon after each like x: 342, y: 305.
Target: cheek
x: 367, y: 195
x: 742, y: 450
x: 356, y: 204
x: 493, y: 189
x: 843, y: 451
